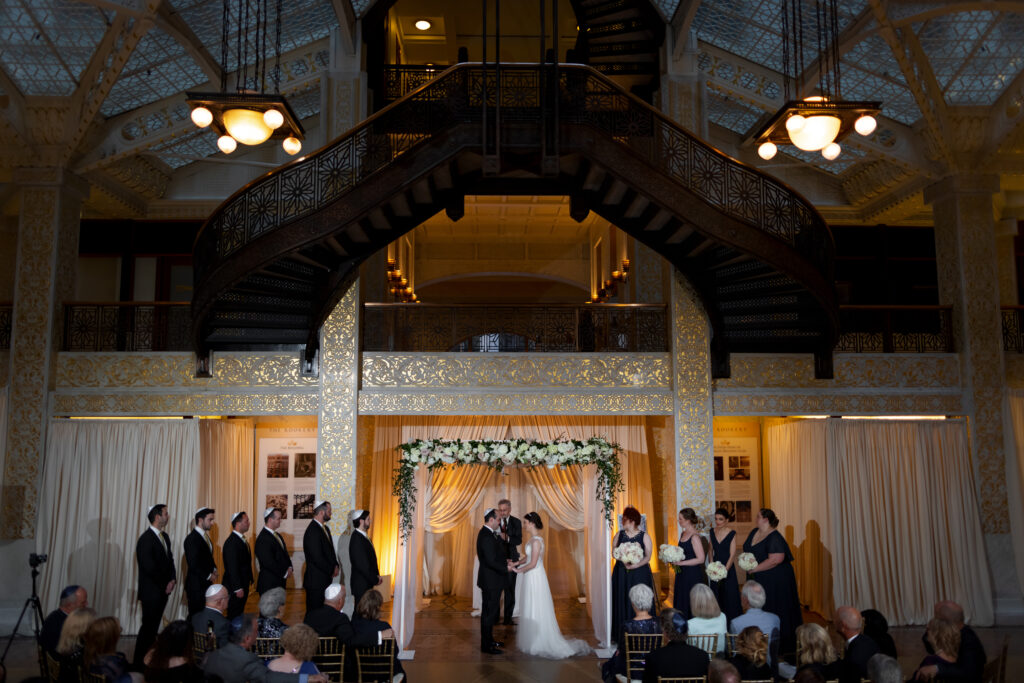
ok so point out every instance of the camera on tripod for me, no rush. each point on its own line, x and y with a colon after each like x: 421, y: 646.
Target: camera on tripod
x: 35, y: 559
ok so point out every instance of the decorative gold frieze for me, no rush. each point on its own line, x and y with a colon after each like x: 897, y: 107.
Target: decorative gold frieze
x: 177, y: 370
x: 852, y: 370
x: 824, y: 403
x: 516, y: 370
x: 136, y: 403
x: 382, y: 402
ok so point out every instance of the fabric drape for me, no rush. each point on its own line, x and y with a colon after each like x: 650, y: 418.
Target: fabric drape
x: 99, y: 479
x: 226, y: 477
x: 1014, y: 436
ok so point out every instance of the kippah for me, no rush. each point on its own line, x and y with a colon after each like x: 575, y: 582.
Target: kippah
x: 318, y: 502
x: 268, y: 512
x: 203, y: 511
x: 487, y: 512
x: 151, y: 508
x: 332, y: 591
x: 213, y: 590
x: 359, y: 514
x: 237, y: 515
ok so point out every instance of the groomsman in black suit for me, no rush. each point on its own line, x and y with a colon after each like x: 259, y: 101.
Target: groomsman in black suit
x: 365, y: 574
x: 510, y: 530
x: 321, y: 560
x: 202, y: 570
x: 491, y: 579
x: 272, y: 554
x: 237, y: 565
x: 156, y: 577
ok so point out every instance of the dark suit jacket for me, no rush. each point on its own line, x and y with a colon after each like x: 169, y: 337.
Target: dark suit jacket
x: 675, y: 660
x: 274, y: 561
x: 49, y: 635
x: 221, y: 626
x: 365, y: 573
x: 234, y: 665
x: 515, y: 537
x: 200, y: 562
x: 970, y: 658
x: 491, y: 552
x: 321, y: 559
x: 237, y: 564
x: 156, y: 566
x: 858, y: 652
x: 327, y: 622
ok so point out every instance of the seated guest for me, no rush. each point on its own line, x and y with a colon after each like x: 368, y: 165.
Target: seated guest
x: 751, y: 658
x: 71, y: 598
x: 752, y: 599
x: 676, y: 659
x: 172, y: 658
x: 71, y: 646
x: 721, y: 671
x: 944, y: 639
x: 808, y: 674
x: 367, y: 623
x: 884, y: 669
x: 706, y: 615
x: 876, y: 627
x: 299, y: 643
x: 271, y: 607
x: 101, y: 656
x: 235, y: 663
x: 817, y: 653
x: 328, y: 620
x: 859, y: 647
x: 641, y: 597
x: 970, y: 658
x: 211, y: 619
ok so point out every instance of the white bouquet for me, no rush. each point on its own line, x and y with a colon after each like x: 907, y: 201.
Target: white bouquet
x: 716, y: 571
x: 670, y: 553
x: 747, y: 561
x: 629, y: 553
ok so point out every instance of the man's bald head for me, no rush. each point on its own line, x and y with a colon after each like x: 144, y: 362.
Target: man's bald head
x: 947, y: 610
x: 849, y: 622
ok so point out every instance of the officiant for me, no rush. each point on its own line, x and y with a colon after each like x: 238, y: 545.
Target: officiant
x: 510, y: 530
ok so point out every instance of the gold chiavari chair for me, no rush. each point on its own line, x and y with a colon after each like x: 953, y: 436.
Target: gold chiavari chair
x: 376, y: 662
x: 637, y: 647
x: 330, y: 658
x: 52, y: 668
x: 705, y: 641
x: 695, y: 679
x: 730, y: 644
x: 202, y: 643
x: 268, y: 648
x: 995, y: 671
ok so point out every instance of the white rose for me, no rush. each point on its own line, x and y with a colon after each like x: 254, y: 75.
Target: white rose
x: 502, y: 449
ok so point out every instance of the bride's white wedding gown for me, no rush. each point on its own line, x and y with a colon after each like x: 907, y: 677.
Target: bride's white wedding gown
x: 537, y: 631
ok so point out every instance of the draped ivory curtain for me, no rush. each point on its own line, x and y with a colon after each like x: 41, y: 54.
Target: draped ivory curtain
x: 1014, y: 436
x: 226, y: 477
x: 99, y: 479
x: 901, y: 504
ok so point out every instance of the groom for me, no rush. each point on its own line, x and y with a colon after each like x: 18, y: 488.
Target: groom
x: 491, y: 579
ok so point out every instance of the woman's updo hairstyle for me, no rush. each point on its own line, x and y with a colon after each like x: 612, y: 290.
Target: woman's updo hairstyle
x: 769, y: 514
x: 632, y: 514
x: 690, y: 516
x: 725, y: 513
x: 534, y: 519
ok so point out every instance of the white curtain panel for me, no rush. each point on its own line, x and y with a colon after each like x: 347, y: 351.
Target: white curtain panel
x: 1014, y: 433
x: 226, y: 470
x: 99, y: 479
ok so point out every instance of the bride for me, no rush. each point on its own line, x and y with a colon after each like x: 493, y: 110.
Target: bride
x: 537, y: 631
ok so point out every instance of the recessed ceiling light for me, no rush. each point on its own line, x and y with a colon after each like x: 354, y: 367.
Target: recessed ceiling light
x: 423, y: 24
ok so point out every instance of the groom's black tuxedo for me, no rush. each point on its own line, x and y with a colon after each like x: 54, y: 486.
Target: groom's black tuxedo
x: 513, y: 529
x: 491, y: 579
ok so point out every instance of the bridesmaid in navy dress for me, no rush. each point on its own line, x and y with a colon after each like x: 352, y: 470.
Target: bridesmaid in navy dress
x: 723, y: 549
x: 690, y: 570
x: 625, y: 576
x: 774, y: 572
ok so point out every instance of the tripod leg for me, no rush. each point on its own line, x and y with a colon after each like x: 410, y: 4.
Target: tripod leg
x: 17, y: 625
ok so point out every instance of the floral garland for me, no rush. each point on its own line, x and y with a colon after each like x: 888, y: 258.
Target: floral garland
x: 436, y: 453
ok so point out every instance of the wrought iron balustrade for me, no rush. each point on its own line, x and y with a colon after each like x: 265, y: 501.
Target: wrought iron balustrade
x: 1013, y: 328
x: 127, y: 326
x: 895, y: 329
x: 6, y: 315
x: 508, y: 327
x: 402, y: 79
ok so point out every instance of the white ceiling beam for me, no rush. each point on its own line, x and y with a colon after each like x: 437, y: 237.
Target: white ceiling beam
x: 169, y: 21
x: 347, y: 23
x: 680, y: 26
x: 12, y: 105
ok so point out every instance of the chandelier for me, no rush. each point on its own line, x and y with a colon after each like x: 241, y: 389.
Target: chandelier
x: 818, y: 122
x: 247, y: 113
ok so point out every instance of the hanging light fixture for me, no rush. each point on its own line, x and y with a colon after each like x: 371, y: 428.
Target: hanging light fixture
x: 247, y: 113
x: 821, y: 121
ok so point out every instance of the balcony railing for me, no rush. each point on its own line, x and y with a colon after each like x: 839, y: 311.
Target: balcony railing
x: 127, y: 326
x: 1013, y: 329
x: 541, y: 328
x: 895, y: 329
x: 6, y: 315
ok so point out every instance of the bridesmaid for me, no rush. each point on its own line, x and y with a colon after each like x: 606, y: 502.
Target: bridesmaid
x: 625, y: 576
x: 723, y: 549
x: 690, y: 570
x: 774, y: 572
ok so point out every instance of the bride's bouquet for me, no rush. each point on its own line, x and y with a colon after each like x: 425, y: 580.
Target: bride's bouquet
x: 671, y: 553
x: 628, y: 553
x: 716, y: 571
x: 747, y: 561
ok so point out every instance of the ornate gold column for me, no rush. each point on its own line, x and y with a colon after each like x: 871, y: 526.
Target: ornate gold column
x: 339, y: 381
x: 47, y: 254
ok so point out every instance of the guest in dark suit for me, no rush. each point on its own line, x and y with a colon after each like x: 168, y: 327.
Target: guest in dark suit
x: 676, y: 659
x: 71, y: 598
x: 859, y: 647
x: 156, y: 578
x: 328, y: 620
x: 876, y: 627
x: 365, y: 573
x: 272, y: 554
x: 491, y: 579
x: 367, y: 622
x: 970, y: 656
x: 237, y: 565
x: 212, y: 619
x: 235, y: 663
x: 202, y: 570
x: 511, y: 530
x: 321, y: 560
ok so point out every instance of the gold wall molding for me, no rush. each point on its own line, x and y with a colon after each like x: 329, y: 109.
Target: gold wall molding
x: 516, y: 370
x: 449, y: 402
x: 177, y: 370
x: 852, y: 370
x: 134, y: 403
x: 780, y: 403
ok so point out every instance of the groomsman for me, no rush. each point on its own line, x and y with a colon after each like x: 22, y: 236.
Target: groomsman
x: 156, y: 577
x: 202, y: 570
x: 321, y: 560
x: 237, y: 565
x: 365, y: 574
x: 511, y: 530
x: 272, y: 554
x: 490, y: 579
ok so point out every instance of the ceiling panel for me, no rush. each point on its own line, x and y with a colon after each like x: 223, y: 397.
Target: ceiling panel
x: 159, y: 67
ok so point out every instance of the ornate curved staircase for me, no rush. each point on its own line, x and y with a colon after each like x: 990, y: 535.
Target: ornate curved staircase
x: 274, y: 259
x: 621, y: 39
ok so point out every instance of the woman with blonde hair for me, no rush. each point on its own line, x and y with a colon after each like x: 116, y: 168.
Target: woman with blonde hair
x: 944, y: 637
x: 751, y: 658
x: 706, y: 615
x: 817, y: 652
x: 299, y: 643
x: 101, y: 656
x: 70, y: 646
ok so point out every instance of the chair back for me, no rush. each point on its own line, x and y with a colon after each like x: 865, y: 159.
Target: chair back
x: 268, y: 648
x: 52, y: 668
x: 330, y: 658
x: 730, y: 644
x: 995, y: 671
x: 637, y: 647
x: 694, y: 679
x: 376, y: 662
x: 705, y: 641
x: 202, y: 643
